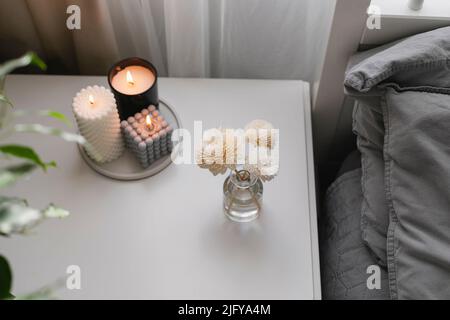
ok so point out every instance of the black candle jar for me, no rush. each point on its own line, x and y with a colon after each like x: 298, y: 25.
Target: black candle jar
x: 128, y: 104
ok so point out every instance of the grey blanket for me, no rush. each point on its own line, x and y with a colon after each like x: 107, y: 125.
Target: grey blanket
x: 417, y: 168
x: 411, y: 80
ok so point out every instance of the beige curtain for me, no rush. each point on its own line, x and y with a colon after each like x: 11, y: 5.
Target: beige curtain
x: 40, y: 25
x: 275, y: 39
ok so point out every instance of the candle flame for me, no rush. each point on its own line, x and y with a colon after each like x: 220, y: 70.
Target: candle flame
x: 148, y: 120
x: 91, y: 99
x: 130, y: 79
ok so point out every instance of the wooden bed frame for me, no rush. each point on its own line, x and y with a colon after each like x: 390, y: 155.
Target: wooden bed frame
x: 348, y: 32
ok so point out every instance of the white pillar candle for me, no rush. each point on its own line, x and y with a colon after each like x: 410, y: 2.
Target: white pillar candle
x: 98, y: 122
x: 133, y: 80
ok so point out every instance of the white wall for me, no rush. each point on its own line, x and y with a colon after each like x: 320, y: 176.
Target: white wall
x: 398, y: 20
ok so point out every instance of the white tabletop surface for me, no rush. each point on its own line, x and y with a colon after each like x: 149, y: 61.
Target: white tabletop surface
x: 166, y: 237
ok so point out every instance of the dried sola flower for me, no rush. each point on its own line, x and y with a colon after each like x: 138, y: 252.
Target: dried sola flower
x: 259, y: 132
x: 234, y: 147
x: 266, y: 166
x: 218, y: 151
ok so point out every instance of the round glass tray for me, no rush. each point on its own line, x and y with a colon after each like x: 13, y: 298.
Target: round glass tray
x: 127, y: 167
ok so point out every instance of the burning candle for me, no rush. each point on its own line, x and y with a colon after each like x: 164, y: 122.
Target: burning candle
x: 133, y: 80
x: 130, y: 79
x: 148, y: 121
x: 148, y: 138
x: 134, y: 84
x: 98, y: 121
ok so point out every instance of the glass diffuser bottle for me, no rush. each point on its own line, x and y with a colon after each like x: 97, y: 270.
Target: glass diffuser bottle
x: 242, y: 196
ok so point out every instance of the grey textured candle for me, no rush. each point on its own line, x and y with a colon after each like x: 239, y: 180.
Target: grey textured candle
x: 147, y: 135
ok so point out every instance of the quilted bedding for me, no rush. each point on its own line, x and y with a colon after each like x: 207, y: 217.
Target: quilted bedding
x: 347, y: 263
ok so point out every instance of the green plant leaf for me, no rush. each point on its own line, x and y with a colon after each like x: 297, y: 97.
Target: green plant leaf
x: 38, y: 128
x: 23, y: 61
x: 55, y: 212
x: 27, y: 153
x: 5, y: 279
x: 6, y: 116
x: 45, y: 293
x: 38, y: 62
x: 16, y: 217
x: 56, y: 115
x: 11, y: 174
x: 41, y: 294
x: 5, y: 100
x: 68, y: 136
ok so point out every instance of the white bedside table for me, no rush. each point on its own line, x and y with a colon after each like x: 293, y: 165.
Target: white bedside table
x: 166, y: 237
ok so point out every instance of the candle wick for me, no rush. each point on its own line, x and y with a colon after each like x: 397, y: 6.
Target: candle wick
x: 130, y: 79
x: 91, y: 100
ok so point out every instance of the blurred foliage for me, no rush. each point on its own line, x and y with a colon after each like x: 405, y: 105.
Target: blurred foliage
x: 16, y: 216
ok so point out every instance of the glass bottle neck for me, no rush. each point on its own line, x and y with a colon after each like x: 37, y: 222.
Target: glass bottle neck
x: 242, y: 179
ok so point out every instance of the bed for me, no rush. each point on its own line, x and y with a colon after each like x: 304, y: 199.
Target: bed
x: 385, y: 214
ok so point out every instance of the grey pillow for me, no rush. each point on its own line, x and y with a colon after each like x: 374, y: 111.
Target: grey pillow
x: 417, y: 158
x: 402, y: 63
x: 417, y: 167
x: 369, y: 128
x: 413, y: 62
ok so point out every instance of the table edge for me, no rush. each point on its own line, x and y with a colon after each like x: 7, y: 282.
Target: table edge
x: 317, y: 291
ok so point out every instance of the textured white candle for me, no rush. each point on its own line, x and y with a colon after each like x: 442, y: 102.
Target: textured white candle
x: 133, y: 80
x: 147, y: 140
x: 98, y: 121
